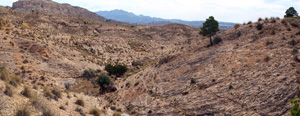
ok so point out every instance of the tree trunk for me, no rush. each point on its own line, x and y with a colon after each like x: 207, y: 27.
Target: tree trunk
x: 211, y: 43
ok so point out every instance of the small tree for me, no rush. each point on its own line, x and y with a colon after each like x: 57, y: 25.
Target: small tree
x: 210, y: 28
x: 291, y: 12
x: 103, y: 81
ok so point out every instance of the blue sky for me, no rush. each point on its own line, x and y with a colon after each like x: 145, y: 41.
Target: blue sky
x: 237, y: 11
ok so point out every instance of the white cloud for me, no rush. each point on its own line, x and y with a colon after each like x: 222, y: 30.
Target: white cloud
x: 223, y: 10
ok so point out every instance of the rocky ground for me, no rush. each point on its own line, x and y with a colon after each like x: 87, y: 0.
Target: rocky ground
x: 253, y: 71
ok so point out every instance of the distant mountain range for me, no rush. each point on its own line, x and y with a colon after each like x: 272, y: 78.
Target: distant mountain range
x: 129, y: 17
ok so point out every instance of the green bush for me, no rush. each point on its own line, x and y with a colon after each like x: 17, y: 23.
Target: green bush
x: 103, y: 81
x: 295, y: 111
x: 117, y: 69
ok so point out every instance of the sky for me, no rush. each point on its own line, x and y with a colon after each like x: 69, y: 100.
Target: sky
x: 237, y: 11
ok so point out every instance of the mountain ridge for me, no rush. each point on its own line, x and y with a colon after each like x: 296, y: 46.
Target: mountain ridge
x: 129, y: 17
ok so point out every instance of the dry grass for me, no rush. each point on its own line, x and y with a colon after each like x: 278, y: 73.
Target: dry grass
x: 48, y: 93
x: 23, y: 112
x: 27, y: 92
x: 8, y: 91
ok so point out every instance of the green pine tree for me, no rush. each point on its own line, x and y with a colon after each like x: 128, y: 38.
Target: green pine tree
x: 210, y: 28
x: 291, y: 12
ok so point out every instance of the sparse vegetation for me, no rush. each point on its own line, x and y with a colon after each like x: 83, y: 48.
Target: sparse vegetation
x: 80, y: 102
x: 236, y: 26
x: 57, y: 93
x: 25, y: 61
x: 268, y: 42
x: 27, y: 92
x: 259, y: 26
x: 95, y: 112
x: 267, y: 58
x: 217, y: 40
x: 293, y: 42
x: 48, y: 93
x: 23, y: 112
x: 193, y: 81
x: 117, y: 114
x: 89, y: 73
x: 8, y: 91
x: 117, y: 69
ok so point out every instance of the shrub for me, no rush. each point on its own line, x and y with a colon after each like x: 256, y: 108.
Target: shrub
x: 295, y: 111
x: 250, y: 22
x: 230, y: 87
x: 217, y: 40
x: 267, y: 59
x: 103, y: 81
x: 27, y: 92
x: 117, y: 69
x: 48, y: 93
x: 193, y: 81
x: 67, y: 85
x: 295, y: 51
x: 48, y: 113
x: 88, y: 73
x: 4, y: 75
x: 95, y: 112
x: 259, y: 26
x: 136, y: 63
x: 289, y: 29
x: 236, y: 26
x: 23, y: 112
x: 165, y: 60
x: 260, y: 19
x: 80, y: 102
x: 298, y: 33
x: 57, y: 93
x: 14, y: 81
x: 25, y: 61
x: 136, y: 83
x: 150, y: 111
x: 117, y: 114
x: 269, y: 42
x: 273, y: 20
x: 293, y: 42
x: 8, y: 91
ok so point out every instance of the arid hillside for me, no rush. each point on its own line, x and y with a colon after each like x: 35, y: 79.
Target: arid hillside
x: 49, y: 51
x: 51, y: 64
x: 253, y: 71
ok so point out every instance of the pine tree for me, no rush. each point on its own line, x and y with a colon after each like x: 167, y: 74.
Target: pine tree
x: 210, y: 28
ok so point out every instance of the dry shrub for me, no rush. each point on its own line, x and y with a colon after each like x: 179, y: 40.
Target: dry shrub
x: 27, y: 92
x: 23, y: 112
x: 166, y: 60
x: 95, y: 112
x: 80, y: 102
x: 48, y: 93
x: 4, y: 74
x: 8, y: 91
x: 57, y: 93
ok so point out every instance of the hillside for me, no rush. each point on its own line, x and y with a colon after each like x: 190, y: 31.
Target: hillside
x: 53, y: 7
x: 128, y: 17
x: 50, y: 63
